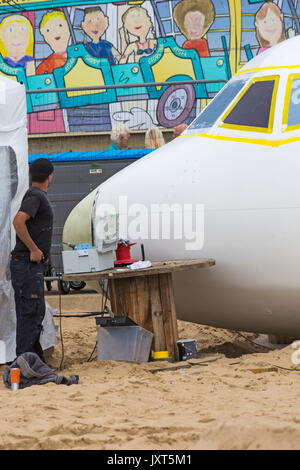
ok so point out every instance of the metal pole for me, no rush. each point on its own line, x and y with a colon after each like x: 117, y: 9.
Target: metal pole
x: 158, y: 19
x: 126, y: 85
x: 66, y: 13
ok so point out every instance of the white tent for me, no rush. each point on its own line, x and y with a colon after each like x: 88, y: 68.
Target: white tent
x: 13, y: 185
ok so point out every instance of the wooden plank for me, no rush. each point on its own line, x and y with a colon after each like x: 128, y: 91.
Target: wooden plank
x: 113, y: 296
x: 156, y: 268
x: 123, y: 287
x: 130, y: 297
x: 159, y: 341
x: 169, y: 315
x: 173, y: 312
x: 143, y: 302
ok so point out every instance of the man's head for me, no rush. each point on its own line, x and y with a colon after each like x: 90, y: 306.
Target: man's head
x: 179, y: 130
x: 120, y: 135
x: 41, y: 171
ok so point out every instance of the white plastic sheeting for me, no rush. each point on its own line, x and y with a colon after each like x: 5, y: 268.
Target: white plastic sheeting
x: 13, y: 185
x: 7, y: 314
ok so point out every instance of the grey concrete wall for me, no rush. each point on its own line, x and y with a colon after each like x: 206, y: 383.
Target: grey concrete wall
x: 54, y: 143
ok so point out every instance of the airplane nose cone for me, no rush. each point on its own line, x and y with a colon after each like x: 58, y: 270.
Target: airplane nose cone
x: 153, y: 199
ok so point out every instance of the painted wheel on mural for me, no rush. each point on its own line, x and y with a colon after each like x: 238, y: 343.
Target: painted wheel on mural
x: 175, y: 105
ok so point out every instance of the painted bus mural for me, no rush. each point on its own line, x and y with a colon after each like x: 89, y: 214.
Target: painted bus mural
x: 65, y: 44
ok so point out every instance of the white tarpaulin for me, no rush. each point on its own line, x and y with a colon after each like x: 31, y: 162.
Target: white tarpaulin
x: 13, y: 185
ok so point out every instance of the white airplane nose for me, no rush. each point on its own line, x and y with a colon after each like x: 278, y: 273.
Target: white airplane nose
x: 229, y: 192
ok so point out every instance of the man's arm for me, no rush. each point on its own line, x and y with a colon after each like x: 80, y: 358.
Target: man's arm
x: 19, y: 222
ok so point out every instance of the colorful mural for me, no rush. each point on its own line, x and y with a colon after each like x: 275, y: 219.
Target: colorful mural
x: 67, y: 44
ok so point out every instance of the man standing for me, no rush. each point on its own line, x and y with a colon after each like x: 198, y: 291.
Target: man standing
x: 33, y: 224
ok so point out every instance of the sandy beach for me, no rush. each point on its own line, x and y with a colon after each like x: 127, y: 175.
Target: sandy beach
x: 234, y: 396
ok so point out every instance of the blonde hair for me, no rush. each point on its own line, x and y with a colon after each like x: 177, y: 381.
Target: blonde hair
x: 154, y: 138
x: 18, y: 19
x: 124, y: 17
x: 52, y: 14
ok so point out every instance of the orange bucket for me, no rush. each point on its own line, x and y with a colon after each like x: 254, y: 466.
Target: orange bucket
x: 15, y: 378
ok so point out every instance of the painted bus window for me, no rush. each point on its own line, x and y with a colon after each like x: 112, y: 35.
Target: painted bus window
x: 217, y: 107
x: 165, y: 10
x: 254, y: 109
x: 220, y: 28
x: 293, y: 116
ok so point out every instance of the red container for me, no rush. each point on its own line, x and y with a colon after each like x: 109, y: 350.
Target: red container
x: 123, y: 254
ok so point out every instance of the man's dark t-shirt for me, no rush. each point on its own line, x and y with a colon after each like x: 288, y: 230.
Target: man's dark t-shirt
x: 36, y: 204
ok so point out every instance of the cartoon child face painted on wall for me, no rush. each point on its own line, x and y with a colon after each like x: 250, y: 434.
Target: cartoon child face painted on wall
x: 95, y: 24
x: 137, y: 22
x: 194, y: 18
x: 17, y: 43
x: 55, y: 29
x: 269, y: 26
x: 194, y: 24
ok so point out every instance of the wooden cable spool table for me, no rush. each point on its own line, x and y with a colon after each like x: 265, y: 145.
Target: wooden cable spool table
x: 147, y: 297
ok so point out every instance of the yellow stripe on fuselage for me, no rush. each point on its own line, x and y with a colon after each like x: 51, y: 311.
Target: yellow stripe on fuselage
x: 268, y: 143
x: 262, y: 69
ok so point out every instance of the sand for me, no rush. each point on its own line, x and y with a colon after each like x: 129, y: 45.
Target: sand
x: 234, y: 396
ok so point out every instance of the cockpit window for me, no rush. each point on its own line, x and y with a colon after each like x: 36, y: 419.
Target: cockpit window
x: 218, y: 105
x: 291, y: 114
x: 254, y: 111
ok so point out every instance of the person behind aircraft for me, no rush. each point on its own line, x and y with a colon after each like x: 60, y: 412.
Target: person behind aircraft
x: 269, y: 26
x: 137, y: 22
x: 119, y: 136
x: 194, y: 18
x: 154, y: 138
x: 94, y: 24
x: 55, y: 30
x: 179, y: 130
x: 17, y: 43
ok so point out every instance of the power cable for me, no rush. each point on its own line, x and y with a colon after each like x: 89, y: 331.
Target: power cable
x: 83, y: 315
x: 104, y: 309
x: 89, y: 359
x: 253, y: 342
x: 286, y: 368
x: 61, y: 334
x: 271, y: 349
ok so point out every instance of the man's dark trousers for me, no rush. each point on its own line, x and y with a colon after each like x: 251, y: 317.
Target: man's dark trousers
x: 28, y: 283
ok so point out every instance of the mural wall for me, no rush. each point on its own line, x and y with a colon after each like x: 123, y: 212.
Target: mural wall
x: 68, y: 44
